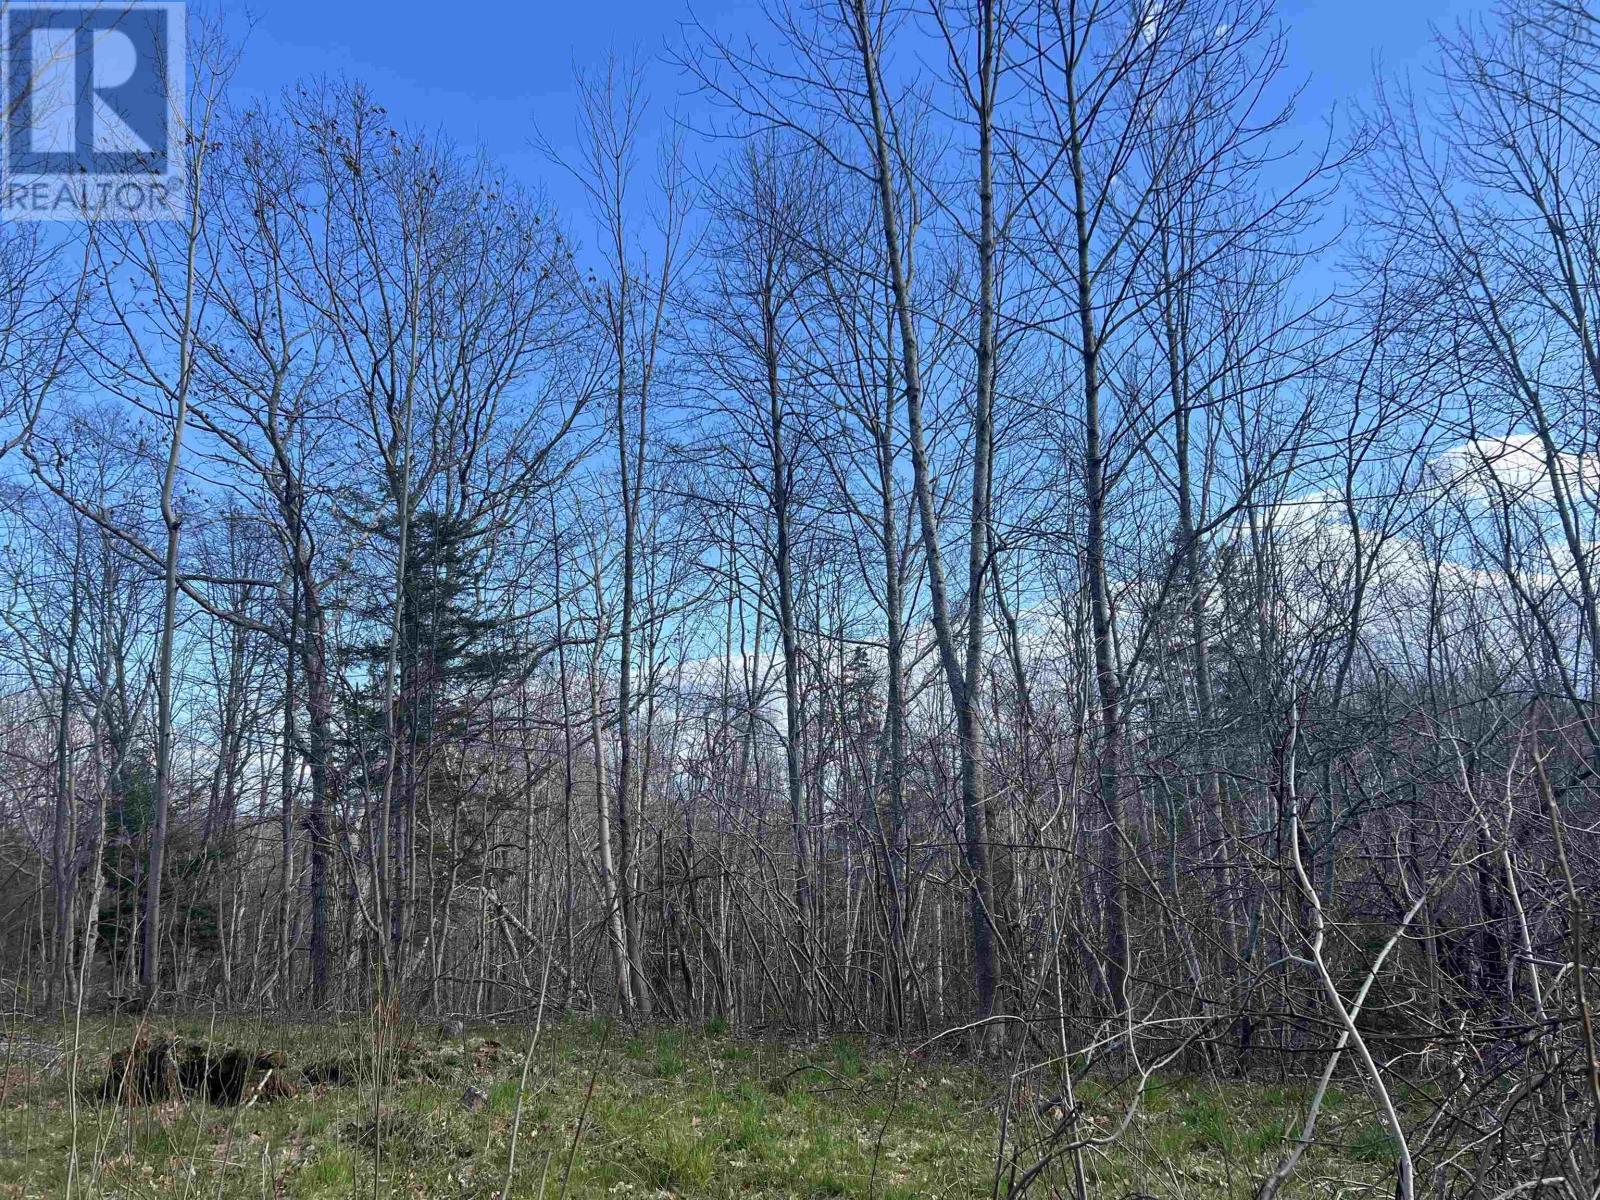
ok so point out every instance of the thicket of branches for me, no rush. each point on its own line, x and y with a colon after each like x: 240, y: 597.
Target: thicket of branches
x: 1010, y: 540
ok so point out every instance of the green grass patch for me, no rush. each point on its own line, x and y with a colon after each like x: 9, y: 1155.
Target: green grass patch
x: 673, y: 1112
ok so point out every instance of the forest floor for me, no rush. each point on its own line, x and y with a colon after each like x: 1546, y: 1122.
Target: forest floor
x: 609, y: 1110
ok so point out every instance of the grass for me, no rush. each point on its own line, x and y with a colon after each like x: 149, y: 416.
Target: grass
x: 663, y: 1112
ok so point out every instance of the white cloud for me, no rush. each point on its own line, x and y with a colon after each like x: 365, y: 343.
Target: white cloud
x: 1515, y: 466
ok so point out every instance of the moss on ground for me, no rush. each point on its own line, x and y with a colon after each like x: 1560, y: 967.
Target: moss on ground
x: 644, y: 1112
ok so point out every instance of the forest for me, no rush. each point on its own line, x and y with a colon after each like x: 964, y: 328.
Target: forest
x: 979, y: 532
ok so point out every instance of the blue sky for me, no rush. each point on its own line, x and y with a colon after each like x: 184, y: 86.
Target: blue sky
x: 485, y: 72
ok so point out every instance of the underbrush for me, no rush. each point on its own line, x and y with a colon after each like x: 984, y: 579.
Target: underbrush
x: 627, y: 1111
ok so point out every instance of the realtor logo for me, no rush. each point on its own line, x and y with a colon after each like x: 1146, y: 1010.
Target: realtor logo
x: 94, y: 105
